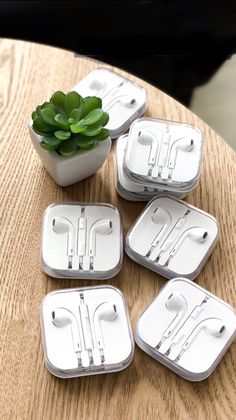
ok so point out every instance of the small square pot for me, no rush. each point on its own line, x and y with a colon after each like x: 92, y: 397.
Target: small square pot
x: 69, y: 170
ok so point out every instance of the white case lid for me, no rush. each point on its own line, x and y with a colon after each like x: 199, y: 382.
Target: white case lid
x: 96, y: 240
x: 172, y: 238
x: 160, y: 151
x: 90, y: 334
x: 191, y: 334
x: 122, y: 99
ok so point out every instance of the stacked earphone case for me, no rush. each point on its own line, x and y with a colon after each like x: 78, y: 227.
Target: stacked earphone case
x: 172, y: 238
x: 158, y: 156
x: 82, y: 240
x: 187, y: 329
x: 131, y: 190
x: 123, y: 99
x: 86, y: 331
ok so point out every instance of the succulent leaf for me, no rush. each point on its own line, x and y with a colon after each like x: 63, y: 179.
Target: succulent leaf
x: 53, y: 141
x: 75, y: 114
x: 48, y: 115
x: 72, y: 101
x: 58, y: 100
x: 48, y: 146
x: 41, y: 126
x: 34, y: 115
x: 92, y: 117
x: 90, y: 103
x: 61, y: 121
x: 44, y: 105
x: 38, y: 110
x: 104, y: 118
x: 104, y: 133
x: 93, y: 130
x: 76, y: 128
x: 68, y: 148
x: 62, y: 134
x: 40, y: 133
x: 86, y: 144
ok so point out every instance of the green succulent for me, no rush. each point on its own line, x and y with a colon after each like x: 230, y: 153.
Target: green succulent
x: 69, y: 122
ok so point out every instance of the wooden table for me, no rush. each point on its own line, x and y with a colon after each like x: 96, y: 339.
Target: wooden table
x: 146, y: 390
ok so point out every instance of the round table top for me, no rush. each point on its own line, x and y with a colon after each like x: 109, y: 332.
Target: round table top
x: 29, y: 74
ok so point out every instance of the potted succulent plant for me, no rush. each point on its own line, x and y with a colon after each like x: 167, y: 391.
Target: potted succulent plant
x: 69, y: 136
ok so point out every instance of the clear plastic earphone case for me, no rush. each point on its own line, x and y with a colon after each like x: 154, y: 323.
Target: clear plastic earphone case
x: 172, y: 238
x: 81, y: 240
x: 86, y: 331
x: 187, y: 329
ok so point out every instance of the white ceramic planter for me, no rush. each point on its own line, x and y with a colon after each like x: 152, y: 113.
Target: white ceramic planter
x: 69, y: 170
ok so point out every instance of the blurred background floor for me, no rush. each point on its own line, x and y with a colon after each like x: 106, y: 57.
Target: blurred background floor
x: 215, y: 101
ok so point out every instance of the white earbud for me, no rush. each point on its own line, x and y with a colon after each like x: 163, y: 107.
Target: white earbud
x: 162, y: 217
x: 175, y: 303
x: 184, y: 144
x: 99, y: 86
x: 63, y: 318
x: 146, y: 138
x: 100, y: 227
x: 211, y: 326
x: 106, y: 312
x: 124, y: 100
x: 62, y: 226
x: 195, y: 234
x: 174, y: 344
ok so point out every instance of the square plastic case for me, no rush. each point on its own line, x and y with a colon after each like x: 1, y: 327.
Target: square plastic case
x: 163, y: 152
x: 81, y: 240
x: 86, y: 331
x: 187, y: 329
x: 172, y: 238
x: 124, y: 100
x: 134, y: 191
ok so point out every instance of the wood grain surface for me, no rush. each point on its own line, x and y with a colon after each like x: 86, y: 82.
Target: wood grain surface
x: 146, y: 390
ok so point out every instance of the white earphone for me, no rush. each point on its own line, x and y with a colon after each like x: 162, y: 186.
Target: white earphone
x: 113, y: 91
x: 100, y: 227
x: 62, y: 318
x: 162, y: 217
x: 173, y: 345
x: 166, y: 244
x: 124, y: 100
x: 87, y: 328
x: 62, y: 226
x: 81, y: 241
x: 147, y: 138
x: 184, y: 144
x: 195, y: 234
x: 99, y: 86
x: 177, y: 303
x: 106, y: 312
x: 212, y: 326
x: 163, y: 153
